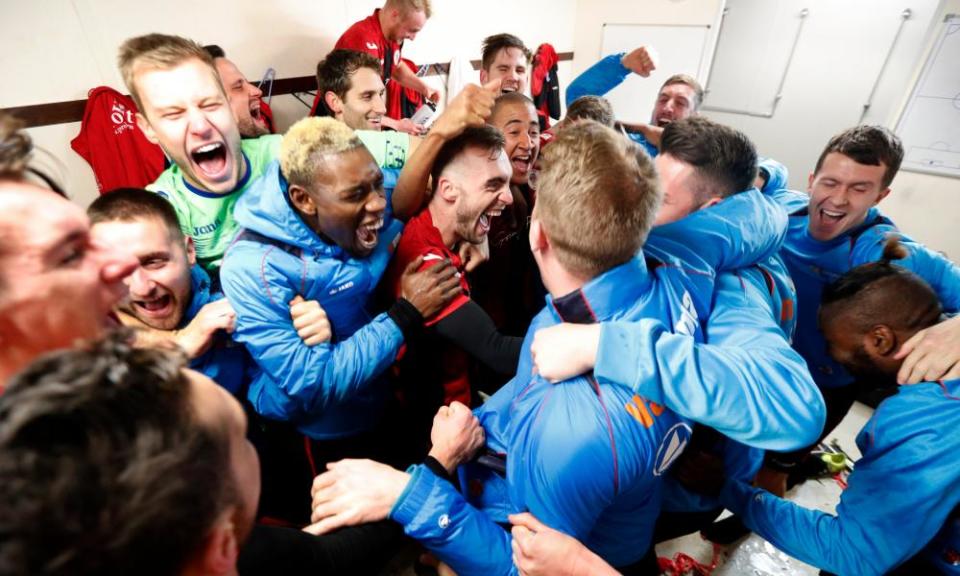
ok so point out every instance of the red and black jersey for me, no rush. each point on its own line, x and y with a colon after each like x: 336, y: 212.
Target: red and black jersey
x: 367, y: 36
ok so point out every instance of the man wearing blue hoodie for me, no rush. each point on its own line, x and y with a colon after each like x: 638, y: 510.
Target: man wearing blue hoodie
x: 679, y: 97
x: 903, y: 497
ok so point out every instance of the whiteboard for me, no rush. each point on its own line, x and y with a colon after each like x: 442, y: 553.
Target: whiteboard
x: 930, y: 124
x: 681, y: 49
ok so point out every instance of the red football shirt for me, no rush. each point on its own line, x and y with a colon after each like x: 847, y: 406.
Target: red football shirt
x: 367, y: 36
x: 421, y: 238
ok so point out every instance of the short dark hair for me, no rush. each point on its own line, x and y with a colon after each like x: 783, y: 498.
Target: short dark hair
x: 129, y: 204
x: 492, y: 45
x: 724, y: 159
x: 104, y: 467
x: 215, y: 51
x: 334, y: 71
x: 592, y: 108
x: 871, y: 145
x: 881, y: 293
x: 510, y: 98
x: 16, y: 152
x: 687, y: 80
x: 483, y: 137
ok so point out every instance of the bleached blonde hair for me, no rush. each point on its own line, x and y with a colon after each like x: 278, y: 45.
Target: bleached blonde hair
x: 308, y: 141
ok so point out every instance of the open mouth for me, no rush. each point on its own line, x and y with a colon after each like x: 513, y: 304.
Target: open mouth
x: 831, y: 216
x: 375, y: 122
x: 368, y: 234
x: 211, y: 159
x: 521, y: 163
x: 483, y: 223
x: 159, y: 307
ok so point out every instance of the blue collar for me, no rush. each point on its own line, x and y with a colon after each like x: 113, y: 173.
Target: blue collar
x: 240, y: 185
x: 200, y: 294
x: 605, y: 296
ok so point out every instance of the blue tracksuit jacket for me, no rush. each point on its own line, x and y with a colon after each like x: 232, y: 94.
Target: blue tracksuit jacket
x: 903, y: 497
x: 330, y: 390
x: 226, y: 362
x: 584, y: 457
x: 813, y: 264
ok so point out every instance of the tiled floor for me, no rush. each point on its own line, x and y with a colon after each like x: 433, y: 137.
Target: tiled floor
x: 754, y: 556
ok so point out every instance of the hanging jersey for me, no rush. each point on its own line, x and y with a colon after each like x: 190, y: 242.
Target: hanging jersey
x: 112, y: 143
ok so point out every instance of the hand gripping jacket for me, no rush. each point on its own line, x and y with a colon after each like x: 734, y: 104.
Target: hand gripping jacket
x: 584, y: 457
x: 226, y: 362
x: 333, y: 389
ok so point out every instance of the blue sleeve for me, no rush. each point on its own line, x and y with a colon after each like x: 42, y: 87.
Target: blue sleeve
x: 598, y: 79
x: 746, y: 381
x: 300, y: 379
x: 936, y: 269
x: 887, y: 514
x: 777, y: 175
x: 433, y: 513
x: 740, y: 231
x: 579, y: 468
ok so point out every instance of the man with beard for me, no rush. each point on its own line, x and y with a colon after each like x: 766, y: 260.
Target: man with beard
x: 680, y: 95
x: 471, y: 176
x: 172, y: 298
x: 513, y: 304
x: 244, y: 97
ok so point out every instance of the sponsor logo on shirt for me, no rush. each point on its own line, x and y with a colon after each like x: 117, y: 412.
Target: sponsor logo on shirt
x: 122, y: 118
x: 372, y: 46
x: 674, y: 441
x: 206, y: 228
x: 687, y: 324
x: 637, y: 407
x: 345, y: 286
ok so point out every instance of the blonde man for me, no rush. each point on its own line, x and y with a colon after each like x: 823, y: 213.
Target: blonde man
x: 183, y: 108
x: 381, y: 35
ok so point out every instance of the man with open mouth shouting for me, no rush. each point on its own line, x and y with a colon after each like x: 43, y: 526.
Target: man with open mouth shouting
x: 680, y: 95
x: 505, y: 57
x: 183, y: 108
x: 471, y: 177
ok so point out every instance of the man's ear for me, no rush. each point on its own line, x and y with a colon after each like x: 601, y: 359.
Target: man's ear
x: 882, y: 195
x: 219, y: 555
x: 710, y: 202
x: 538, y: 238
x: 880, y: 341
x: 810, y: 181
x: 144, y: 125
x: 333, y: 102
x: 190, y: 248
x: 483, y: 76
x: 301, y: 199
x: 447, y: 190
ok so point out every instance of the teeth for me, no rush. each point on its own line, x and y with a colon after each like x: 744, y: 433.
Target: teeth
x: 207, y: 148
x: 833, y: 214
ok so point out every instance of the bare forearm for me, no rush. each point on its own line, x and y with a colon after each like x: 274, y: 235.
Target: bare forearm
x: 408, y: 79
x: 412, y: 184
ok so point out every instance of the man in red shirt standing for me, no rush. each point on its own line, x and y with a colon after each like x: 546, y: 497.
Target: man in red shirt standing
x: 471, y: 179
x: 381, y: 35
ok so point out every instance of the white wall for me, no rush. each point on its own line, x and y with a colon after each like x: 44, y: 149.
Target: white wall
x: 838, y: 57
x: 56, y: 50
